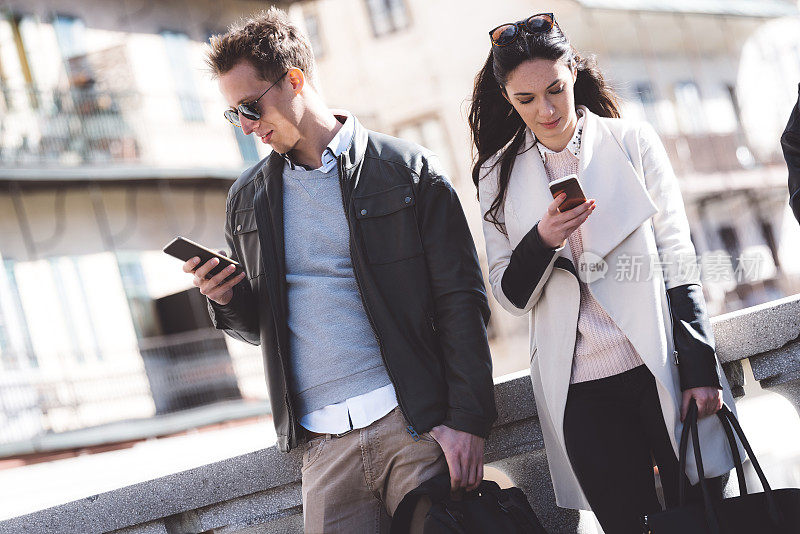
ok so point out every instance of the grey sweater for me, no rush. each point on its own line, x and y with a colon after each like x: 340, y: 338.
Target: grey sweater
x: 334, y: 353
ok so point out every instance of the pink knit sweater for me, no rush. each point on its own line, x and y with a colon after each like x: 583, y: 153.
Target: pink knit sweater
x: 601, y: 348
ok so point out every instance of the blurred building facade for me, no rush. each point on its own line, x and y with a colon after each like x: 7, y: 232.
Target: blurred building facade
x: 112, y: 141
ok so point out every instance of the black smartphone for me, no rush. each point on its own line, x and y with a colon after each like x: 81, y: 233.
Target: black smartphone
x: 185, y: 249
x: 569, y: 185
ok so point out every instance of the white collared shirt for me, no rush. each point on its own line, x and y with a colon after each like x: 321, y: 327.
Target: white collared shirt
x: 362, y: 410
x: 340, y: 142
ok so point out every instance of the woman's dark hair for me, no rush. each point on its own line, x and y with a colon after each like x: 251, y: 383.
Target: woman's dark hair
x: 494, y: 123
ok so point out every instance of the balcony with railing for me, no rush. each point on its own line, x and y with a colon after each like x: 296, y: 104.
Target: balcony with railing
x: 713, y: 154
x: 90, y: 128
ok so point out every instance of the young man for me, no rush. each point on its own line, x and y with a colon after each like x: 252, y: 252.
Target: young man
x: 361, y: 285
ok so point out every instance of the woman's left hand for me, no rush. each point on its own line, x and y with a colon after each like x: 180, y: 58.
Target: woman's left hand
x: 708, y: 399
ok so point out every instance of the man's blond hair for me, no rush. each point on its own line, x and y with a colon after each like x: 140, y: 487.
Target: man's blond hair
x: 268, y: 40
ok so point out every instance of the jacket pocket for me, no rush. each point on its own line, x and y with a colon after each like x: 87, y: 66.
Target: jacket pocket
x: 245, y: 235
x: 388, y: 225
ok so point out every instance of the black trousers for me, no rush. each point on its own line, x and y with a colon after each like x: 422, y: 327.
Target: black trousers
x: 614, y: 429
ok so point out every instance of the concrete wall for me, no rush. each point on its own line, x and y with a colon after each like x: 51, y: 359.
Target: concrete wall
x: 259, y: 492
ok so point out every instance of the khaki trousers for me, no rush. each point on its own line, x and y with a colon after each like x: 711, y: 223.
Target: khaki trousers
x: 353, y: 484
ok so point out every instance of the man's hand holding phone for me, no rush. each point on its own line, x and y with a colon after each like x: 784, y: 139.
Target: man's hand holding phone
x: 556, y: 226
x: 215, y: 288
x: 204, y: 263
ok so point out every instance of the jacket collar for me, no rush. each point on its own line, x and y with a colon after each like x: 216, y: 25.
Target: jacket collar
x: 340, y: 141
x: 605, y: 172
x: 352, y: 155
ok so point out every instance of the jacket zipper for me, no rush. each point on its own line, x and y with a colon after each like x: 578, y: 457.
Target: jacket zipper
x: 287, y: 397
x: 345, y: 200
x: 669, y: 306
x: 672, y: 325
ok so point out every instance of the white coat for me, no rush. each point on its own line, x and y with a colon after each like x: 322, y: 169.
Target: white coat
x: 639, y: 213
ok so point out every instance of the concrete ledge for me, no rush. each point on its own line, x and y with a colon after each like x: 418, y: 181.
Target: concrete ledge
x: 758, y: 329
x: 212, y: 490
x: 260, y: 491
x: 136, y: 429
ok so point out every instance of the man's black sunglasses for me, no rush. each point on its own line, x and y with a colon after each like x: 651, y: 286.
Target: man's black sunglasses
x: 505, y: 34
x: 248, y: 109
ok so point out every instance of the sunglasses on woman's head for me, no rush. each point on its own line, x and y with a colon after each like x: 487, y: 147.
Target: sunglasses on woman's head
x: 248, y: 110
x: 506, y: 34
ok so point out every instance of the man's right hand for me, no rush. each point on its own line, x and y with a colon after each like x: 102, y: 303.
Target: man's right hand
x: 215, y: 288
x: 556, y: 226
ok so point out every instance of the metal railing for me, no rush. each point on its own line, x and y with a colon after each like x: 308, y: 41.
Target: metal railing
x: 74, y: 126
x: 90, y: 127
x: 166, y: 375
x: 711, y: 153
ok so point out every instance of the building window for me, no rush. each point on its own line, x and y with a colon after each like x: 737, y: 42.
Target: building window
x: 647, y: 98
x: 178, y: 48
x: 71, y: 294
x: 70, y: 36
x: 691, y: 114
x: 7, y: 103
x: 428, y: 132
x: 388, y: 16
x: 730, y: 242
x: 769, y: 236
x: 16, y: 348
x: 314, y: 34
x: 142, y: 307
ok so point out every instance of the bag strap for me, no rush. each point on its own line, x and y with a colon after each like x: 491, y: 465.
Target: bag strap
x: 729, y: 424
x: 772, y: 507
x: 684, y: 445
x: 690, y: 427
x: 711, y: 518
x: 737, y: 459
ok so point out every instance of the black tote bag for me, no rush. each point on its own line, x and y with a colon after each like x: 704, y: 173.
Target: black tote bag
x: 769, y: 512
x: 487, y: 509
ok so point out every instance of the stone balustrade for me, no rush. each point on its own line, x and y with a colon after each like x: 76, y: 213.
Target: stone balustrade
x: 259, y: 492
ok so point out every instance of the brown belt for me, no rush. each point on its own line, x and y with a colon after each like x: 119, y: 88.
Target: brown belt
x: 312, y: 435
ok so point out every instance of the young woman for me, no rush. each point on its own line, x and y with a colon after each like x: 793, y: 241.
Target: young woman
x: 619, y: 336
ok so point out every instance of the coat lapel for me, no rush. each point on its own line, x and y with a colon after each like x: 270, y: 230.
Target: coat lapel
x: 607, y: 175
x: 528, y: 194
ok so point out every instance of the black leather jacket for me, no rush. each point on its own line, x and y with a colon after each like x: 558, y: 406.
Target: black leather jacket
x: 416, y: 268
x: 790, y: 141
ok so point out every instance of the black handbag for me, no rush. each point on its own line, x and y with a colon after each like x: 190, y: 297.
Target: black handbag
x: 773, y: 511
x: 488, y: 509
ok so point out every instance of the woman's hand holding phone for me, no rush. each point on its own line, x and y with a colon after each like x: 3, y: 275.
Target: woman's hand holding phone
x: 556, y: 226
x: 215, y: 288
